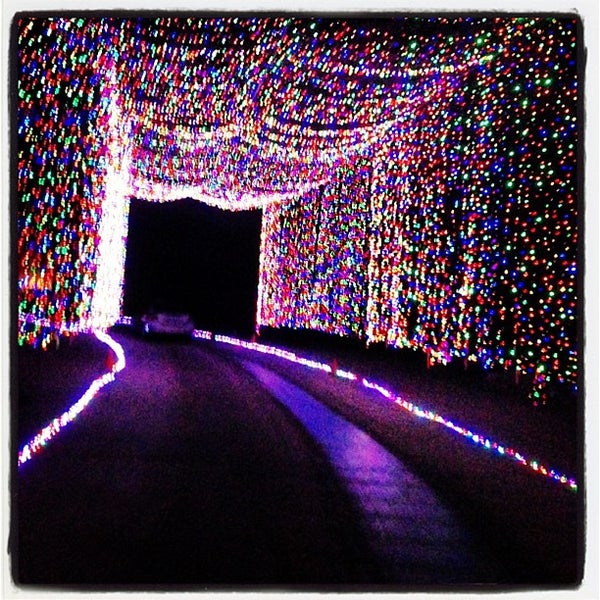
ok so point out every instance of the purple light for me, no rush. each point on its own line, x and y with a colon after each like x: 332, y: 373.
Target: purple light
x: 39, y: 441
x: 480, y: 440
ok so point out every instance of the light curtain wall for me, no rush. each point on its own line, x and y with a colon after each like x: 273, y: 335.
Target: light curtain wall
x: 418, y: 176
x: 459, y: 234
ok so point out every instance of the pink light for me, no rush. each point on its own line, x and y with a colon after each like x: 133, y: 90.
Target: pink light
x: 478, y: 439
x: 346, y: 374
x: 39, y: 441
x: 200, y: 334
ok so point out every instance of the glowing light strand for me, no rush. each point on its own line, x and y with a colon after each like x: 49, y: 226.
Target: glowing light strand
x: 480, y: 440
x: 45, y: 435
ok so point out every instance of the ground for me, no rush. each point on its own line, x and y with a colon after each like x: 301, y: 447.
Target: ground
x: 533, y: 522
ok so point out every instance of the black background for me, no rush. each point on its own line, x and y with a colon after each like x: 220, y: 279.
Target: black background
x: 186, y: 255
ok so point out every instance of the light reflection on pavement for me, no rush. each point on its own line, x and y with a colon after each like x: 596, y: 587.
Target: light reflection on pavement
x: 417, y: 538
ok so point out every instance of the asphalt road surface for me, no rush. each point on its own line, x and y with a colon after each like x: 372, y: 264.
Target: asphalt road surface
x: 188, y: 470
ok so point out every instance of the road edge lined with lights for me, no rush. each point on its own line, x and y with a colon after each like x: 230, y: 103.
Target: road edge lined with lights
x: 480, y: 440
x: 41, y: 439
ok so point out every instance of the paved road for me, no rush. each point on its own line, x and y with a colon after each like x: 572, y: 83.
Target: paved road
x: 415, y: 537
x: 189, y: 470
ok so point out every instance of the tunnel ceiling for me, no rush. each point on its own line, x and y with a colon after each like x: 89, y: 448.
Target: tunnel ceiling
x: 242, y: 111
x: 270, y: 75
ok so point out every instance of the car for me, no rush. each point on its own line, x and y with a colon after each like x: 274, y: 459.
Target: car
x: 167, y: 323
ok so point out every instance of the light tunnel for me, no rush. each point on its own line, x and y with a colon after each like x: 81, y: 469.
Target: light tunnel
x: 418, y: 176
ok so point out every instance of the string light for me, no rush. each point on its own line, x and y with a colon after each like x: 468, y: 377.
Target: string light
x: 45, y: 435
x: 480, y: 440
x: 432, y: 163
x: 41, y: 439
x: 457, y: 235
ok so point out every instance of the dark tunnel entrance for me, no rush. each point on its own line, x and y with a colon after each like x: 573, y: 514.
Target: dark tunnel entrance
x: 186, y: 255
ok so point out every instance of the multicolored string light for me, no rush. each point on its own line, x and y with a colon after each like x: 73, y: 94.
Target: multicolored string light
x: 458, y: 234
x: 45, y: 435
x: 418, y: 175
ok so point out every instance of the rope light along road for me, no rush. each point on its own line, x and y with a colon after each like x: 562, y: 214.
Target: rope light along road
x: 41, y: 439
x: 480, y: 440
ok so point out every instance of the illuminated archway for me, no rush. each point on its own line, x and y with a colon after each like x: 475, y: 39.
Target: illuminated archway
x: 430, y: 161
